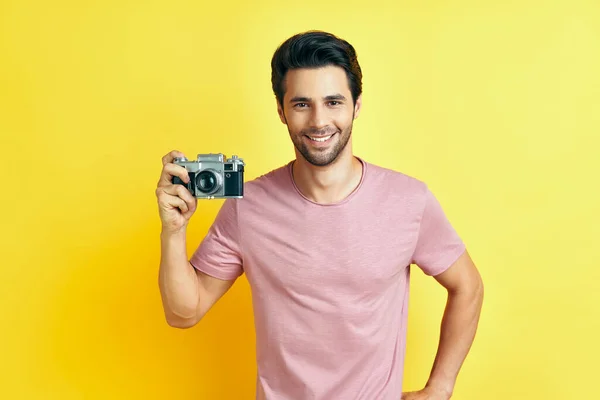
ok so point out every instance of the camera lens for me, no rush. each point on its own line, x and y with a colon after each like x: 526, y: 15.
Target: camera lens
x: 207, y: 182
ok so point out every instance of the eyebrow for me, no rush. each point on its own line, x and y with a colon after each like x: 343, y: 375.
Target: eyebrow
x: 300, y: 99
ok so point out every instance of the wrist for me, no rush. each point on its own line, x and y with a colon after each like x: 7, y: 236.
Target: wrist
x: 170, y: 234
x: 444, y: 389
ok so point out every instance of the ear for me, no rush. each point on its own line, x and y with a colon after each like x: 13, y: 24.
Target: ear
x: 280, y: 113
x: 358, y: 106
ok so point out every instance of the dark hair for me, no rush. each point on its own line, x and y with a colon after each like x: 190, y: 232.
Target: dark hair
x: 314, y: 49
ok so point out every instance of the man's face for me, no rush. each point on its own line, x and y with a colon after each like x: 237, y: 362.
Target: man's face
x: 318, y: 111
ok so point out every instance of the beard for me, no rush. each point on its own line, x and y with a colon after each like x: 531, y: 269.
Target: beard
x: 322, y: 157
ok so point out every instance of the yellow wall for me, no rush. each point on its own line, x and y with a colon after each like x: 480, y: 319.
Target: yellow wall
x: 495, y: 104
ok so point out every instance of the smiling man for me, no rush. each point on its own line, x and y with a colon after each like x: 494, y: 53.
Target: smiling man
x: 326, y: 242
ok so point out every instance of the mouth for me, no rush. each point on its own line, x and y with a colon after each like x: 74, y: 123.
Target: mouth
x: 320, y: 139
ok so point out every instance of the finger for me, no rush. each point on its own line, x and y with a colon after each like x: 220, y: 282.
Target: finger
x: 169, y: 171
x: 186, y: 196
x: 181, y: 192
x: 192, y: 209
x: 168, y: 201
x: 171, y: 156
x: 176, y: 202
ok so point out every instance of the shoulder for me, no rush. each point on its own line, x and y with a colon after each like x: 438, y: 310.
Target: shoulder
x: 267, y: 181
x: 395, y: 181
x: 273, y: 174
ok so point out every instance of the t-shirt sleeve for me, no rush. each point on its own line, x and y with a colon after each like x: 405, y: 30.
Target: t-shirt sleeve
x: 438, y: 243
x: 219, y: 253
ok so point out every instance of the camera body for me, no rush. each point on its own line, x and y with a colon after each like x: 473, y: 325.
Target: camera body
x: 213, y: 176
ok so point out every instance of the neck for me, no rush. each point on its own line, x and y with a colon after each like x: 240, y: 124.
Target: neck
x: 328, y: 184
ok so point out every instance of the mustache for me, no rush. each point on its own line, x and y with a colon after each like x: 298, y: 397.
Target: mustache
x: 319, y: 132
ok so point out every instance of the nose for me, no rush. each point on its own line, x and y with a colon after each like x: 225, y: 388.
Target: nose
x: 318, y: 118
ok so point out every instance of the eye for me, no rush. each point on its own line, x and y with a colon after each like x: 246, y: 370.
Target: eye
x: 334, y: 103
x: 300, y: 105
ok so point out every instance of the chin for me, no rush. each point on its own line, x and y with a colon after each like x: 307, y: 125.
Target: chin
x: 320, y: 161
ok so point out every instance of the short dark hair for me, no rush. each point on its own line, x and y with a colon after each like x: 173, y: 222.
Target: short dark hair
x: 315, y: 49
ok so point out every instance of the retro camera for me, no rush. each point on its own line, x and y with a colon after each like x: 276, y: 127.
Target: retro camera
x: 213, y: 176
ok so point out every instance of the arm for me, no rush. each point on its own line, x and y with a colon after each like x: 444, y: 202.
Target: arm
x: 187, y: 293
x: 437, y: 244
x: 459, y: 323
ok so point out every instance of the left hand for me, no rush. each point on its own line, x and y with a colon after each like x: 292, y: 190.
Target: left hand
x: 429, y: 393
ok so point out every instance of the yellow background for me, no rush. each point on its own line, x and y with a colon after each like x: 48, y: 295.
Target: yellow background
x: 496, y: 104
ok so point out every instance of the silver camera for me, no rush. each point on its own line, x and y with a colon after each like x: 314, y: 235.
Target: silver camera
x: 213, y: 176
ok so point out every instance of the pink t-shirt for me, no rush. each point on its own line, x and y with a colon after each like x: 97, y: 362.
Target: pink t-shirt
x: 330, y: 283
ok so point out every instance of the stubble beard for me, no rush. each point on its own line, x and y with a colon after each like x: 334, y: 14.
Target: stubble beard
x: 321, y: 158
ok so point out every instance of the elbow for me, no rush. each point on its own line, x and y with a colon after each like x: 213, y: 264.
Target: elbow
x: 472, y: 289
x: 477, y: 292
x: 180, y: 316
x: 181, y: 323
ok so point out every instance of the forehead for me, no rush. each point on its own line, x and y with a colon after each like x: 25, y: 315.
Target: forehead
x: 315, y: 82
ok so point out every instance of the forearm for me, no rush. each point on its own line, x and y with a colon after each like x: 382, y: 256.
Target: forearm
x: 178, y: 281
x: 459, y: 324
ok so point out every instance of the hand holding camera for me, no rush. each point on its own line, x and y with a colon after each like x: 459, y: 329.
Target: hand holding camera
x: 176, y: 204
x: 183, y: 182
x: 213, y: 176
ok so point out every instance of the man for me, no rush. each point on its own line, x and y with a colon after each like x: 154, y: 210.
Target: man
x: 326, y: 242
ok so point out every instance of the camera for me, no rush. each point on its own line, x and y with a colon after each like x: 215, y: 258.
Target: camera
x: 213, y: 176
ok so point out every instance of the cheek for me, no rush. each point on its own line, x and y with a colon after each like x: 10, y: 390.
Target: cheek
x: 340, y: 119
x: 295, y: 127
x: 343, y: 122
x: 296, y: 123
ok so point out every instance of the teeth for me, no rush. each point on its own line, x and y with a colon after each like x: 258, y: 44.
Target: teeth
x: 323, y: 139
